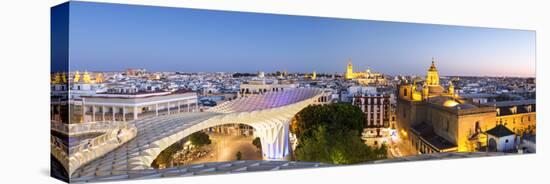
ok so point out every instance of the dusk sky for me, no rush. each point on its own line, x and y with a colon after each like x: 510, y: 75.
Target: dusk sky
x: 114, y: 37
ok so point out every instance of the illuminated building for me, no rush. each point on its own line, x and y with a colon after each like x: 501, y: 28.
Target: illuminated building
x: 154, y: 76
x: 378, y: 107
x: 366, y: 77
x: 518, y: 116
x: 82, y: 85
x: 430, y: 88
x: 135, y: 72
x: 377, y: 110
x: 99, y: 78
x: 434, y: 119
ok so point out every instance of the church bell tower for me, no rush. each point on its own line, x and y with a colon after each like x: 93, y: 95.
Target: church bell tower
x: 432, y: 78
x: 349, y: 70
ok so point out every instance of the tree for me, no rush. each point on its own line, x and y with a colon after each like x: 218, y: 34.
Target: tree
x: 314, y: 148
x: 239, y: 155
x: 334, y: 116
x: 200, y: 139
x: 331, y: 134
x: 257, y: 142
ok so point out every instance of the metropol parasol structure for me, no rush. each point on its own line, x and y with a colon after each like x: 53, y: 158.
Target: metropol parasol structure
x: 130, y: 147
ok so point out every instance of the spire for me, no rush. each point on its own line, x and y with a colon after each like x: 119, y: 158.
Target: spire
x: 86, y: 78
x: 76, y: 78
x: 432, y: 78
x: 64, y: 78
x: 57, y: 78
x: 432, y: 67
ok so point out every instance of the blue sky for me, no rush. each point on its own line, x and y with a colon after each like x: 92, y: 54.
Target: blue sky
x: 113, y: 37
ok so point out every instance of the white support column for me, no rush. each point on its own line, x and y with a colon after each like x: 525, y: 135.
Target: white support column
x: 135, y: 113
x: 83, y: 110
x: 102, y: 113
x: 274, y: 137
x: 157, y: 109
x: 123, y: 113
x: 93, y: 113
x: 179, y: 106
x: 168, y: 107
x: 113, y: 112
x: 196, y: 105
x: 188, y: 108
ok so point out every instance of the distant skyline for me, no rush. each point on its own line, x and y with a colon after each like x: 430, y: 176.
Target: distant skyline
x: 114, y: 37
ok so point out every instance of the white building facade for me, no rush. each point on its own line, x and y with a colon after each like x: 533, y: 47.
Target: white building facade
x: 125, y: 107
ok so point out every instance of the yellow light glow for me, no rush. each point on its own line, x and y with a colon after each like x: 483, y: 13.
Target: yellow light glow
x: 450, y: 103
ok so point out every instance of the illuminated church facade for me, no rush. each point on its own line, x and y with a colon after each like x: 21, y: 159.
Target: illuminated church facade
x: 432, y: 118
x: 365, y: 78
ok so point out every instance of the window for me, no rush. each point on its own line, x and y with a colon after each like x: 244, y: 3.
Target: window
x: 405, y: 92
